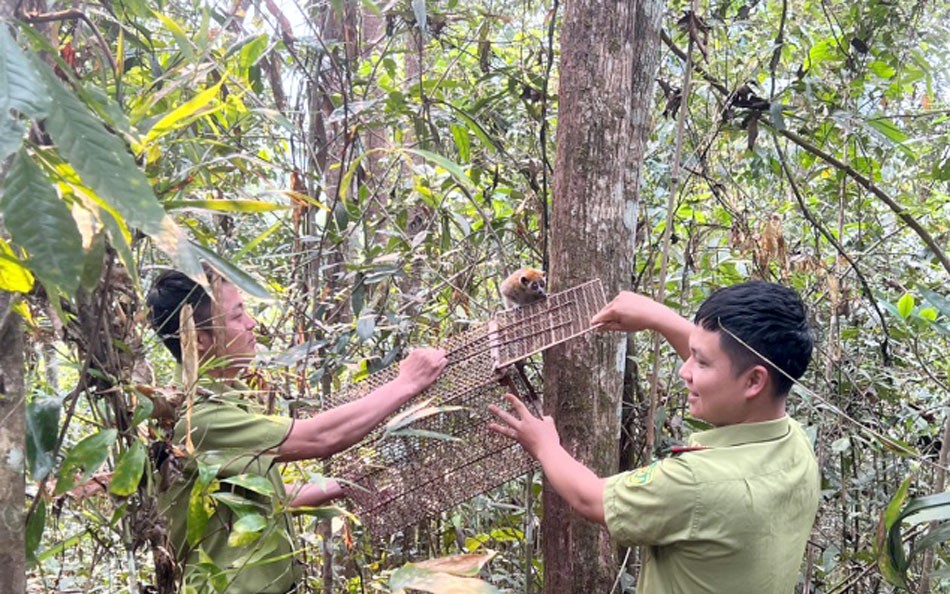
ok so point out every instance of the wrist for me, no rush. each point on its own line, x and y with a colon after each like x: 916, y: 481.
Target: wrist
x: 405, y: 389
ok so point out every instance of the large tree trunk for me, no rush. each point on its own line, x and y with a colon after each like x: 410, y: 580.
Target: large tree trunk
x: 12, y: 444
x: 609, y: 57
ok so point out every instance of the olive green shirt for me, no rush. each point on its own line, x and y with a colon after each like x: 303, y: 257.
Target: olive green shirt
x: 228, y: 429
x: 731, y: 516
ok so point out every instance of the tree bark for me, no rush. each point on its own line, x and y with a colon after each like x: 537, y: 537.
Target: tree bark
x: 609, y: 58
x: 12, y: 447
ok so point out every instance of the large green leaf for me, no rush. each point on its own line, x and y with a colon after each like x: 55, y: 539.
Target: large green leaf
x: 452, y: 167
x: 87, y: 456
x: 34, y: 531
x: 235, y: 275
x: 252, y: 482
x: 183, y: 114
x: 21, y: 87
x: 937, y: 300
x: 41, y: 223
x: 128, y: 470
x: 42, y: 427
x: 11, y: 135
x: 106, y: 167
x: 200, y: 503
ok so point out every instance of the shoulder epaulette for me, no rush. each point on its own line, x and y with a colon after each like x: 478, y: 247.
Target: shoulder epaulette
x: 677, y: 450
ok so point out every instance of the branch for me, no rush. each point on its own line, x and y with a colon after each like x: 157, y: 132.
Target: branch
x: 867, y: 184
x: 69, y: 15
x: 831, y: 239
x: 847, y: 169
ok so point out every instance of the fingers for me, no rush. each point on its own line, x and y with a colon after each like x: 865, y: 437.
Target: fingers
x: 504, y: 416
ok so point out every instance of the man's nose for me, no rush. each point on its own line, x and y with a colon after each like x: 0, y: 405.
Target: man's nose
x: 684, y: 370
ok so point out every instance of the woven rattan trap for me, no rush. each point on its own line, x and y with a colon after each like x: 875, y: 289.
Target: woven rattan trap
x: 437, y: 451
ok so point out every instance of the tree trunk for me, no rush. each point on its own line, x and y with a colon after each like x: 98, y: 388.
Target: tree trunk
x: 12, y: 444
x: 609, y: 58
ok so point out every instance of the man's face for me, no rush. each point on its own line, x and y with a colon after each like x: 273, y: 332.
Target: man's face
x: 232, y: 335
x: 716, y: 393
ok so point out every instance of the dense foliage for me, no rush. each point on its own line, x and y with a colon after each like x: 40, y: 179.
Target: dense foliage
x: 369, y: 172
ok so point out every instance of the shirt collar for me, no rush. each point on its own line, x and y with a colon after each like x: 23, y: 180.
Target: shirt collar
x: 742, y: 433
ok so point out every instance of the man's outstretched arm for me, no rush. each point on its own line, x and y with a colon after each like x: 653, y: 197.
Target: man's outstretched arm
x: 578, y: 485
x: 334, y: 430
x: 630, y: 312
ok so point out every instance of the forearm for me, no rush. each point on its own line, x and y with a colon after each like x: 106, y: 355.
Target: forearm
x: 332, y: 431
x: 312, y: 495
x: 578, y: 485
x: 675, y: 329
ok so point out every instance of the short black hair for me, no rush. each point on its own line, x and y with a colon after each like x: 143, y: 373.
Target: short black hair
x: 769, y: 318
x: 170, y: 291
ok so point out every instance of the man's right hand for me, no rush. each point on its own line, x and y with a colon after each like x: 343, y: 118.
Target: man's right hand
x: 421, y: 368
x: 629, y: 312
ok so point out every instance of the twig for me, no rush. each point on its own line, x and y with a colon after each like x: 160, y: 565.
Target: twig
x: 68, y: 15
x: 545, y: 163
x: 831, y: 239
x: 668, y: 233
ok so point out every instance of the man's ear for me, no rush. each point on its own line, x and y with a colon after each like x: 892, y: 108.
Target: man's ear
x: 205, y: 341
x: 756, y: 381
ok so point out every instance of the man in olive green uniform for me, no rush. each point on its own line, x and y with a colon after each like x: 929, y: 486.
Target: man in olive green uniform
x: 732, y: 511
x: 226, y: 503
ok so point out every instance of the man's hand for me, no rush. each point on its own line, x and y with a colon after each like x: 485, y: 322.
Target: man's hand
x: 421, y: 368
x: 629, y: 312
x: 573, y: 481
x: 534, y: 434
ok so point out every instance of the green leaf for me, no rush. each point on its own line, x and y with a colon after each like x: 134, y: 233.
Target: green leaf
x: 225, y: 205
x: 252, y: 51
x: 42, y: 429
x: 93, y: 260
x: 87, y: 455
x: 143, y: 410
x: 937, y: 300
x: 235, y: 275
x: 365, y: 326
x: 200, y: 510
x: 14, y: 276
x: 775, y: 114
x: 106, y: 167
x: 450, y: 166
x: 246, y: 530
x: 891, y: 132
x: 940, y: 534
x: 184, y: 114
x: 181, y: 38
x: 41, y: 223
x: 21, y: 86
x: 128, y: 470
x: 239, y: 505
x: 882, y: 69
x: 462, y: 141
x: 34, y: 531
x: 11, y: 135
x: 905, y: 306
x: 252, y: 482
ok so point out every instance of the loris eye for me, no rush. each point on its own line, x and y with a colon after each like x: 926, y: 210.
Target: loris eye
x: 541, y: 283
